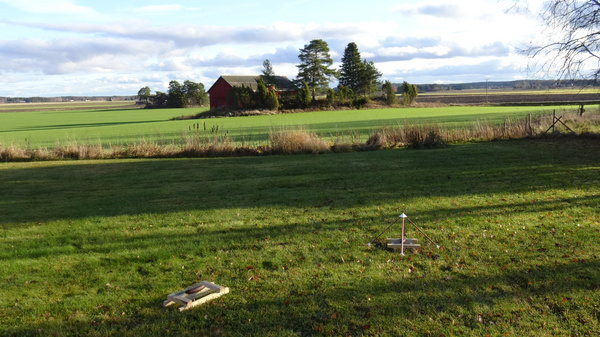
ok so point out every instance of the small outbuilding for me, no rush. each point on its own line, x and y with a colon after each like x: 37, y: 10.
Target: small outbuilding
x: 219, y: 91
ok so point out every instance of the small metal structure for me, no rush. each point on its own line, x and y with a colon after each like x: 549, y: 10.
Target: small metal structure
x: 197, y: 294
x: 403, y: 242
x: 395, y: 243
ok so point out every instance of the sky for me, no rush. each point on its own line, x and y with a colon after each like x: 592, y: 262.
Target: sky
x: 108, y: 47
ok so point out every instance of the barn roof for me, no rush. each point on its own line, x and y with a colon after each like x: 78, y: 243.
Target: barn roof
x: 283, y: 83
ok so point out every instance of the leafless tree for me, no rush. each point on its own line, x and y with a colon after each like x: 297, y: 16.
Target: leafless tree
x: 571, y: 46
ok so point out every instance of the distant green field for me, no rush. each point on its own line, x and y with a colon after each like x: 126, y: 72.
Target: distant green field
x: 125, y: 126
x: 10, y: 107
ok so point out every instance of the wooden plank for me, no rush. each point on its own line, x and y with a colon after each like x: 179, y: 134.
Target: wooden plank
x: 205, y: 299
x: 398, y: 241
x: 196, y: 294
x: 406, y: 245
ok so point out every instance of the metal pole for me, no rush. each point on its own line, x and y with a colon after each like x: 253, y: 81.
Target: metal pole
x: 403, y: 216
x: 428, y: 238
x: 385, y: 230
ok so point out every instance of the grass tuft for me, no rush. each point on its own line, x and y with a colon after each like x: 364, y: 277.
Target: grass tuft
x: 297, y: 141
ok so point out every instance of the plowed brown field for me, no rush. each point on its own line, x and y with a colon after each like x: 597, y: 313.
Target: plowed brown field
x: 504, y: 99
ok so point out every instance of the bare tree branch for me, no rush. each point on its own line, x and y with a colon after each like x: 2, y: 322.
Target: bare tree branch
x: 572, y: 47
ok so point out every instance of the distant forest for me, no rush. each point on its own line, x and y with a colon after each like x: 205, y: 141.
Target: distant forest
x: 506, y: 85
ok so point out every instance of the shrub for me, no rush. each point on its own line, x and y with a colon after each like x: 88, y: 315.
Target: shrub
x: 390, y: 95
x: 376, y: 141
x: 330, y: 97
x: 304, y: 98
x: 272, y: 102
x: 345, y: 94
x: 433, y: 139
x: 359, y: 102
x: 409, y: 93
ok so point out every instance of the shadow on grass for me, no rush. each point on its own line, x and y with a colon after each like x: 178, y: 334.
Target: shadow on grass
x: 207, y: 240
x: 327, y: 296
x: 38, y: 192
x: 415, y: 304
x: 81, y: 125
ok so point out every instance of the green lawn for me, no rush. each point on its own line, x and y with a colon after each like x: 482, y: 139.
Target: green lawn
x: 93, y: 247
x: 125, y: 126
x: 20, y: 107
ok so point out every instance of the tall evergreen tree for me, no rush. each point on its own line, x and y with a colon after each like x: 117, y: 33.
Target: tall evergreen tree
x: 261, y: 93
x: 359, y: 75
x: 268, y: 74
x: 352, y: 69
x: 369, y: 78
x: 314, y: 67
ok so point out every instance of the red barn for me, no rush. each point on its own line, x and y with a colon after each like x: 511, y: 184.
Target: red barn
x: 219, y: 91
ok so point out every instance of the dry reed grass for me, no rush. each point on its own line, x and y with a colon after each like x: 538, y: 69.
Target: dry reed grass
x: 217, y: 143
x: 286, y: 141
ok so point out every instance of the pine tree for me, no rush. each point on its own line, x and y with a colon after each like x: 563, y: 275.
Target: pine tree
x: 370, y: 76
x: 268, y: 74
x: 352, y: 68
x: 359, y: 75
x: 314, y: 69
x: 261, y: 93
x: 390, y: 95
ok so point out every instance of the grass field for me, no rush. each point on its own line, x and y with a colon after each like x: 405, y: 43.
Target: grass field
x: 62, y: 106
x: 124, y: 126
x: 93, y: 248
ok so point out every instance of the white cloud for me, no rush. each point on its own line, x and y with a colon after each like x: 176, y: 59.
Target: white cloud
x: 435, y: 9
x: 121, y: 44
x: 203, y: 35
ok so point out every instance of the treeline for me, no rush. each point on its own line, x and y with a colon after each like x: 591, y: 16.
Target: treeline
x: 520, y: 84
x: 65, y: 99
x: 186, y: 95
x: 359, y: 82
